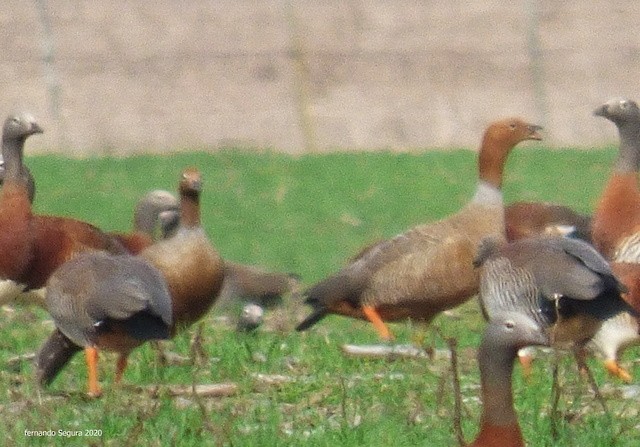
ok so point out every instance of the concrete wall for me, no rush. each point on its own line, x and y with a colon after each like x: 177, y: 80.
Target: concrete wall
x: 132, y: 75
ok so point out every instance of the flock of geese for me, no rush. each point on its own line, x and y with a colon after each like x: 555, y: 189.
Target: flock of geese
x: 536, y: 287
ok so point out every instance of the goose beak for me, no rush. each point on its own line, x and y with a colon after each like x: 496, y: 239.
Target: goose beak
x: 601, y: 111
x: 534, y: 132
x: 35, y: 128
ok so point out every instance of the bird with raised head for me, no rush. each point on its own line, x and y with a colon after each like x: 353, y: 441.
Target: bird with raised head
x: 191, y: 265
x: 427, y: 269
x: 616, y: 220
x: 616, y: 229
x: 33, y: 246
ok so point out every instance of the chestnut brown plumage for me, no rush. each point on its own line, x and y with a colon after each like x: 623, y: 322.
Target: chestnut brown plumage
x: 427, y: 269
x: 526, y: 219
x: 616, y: 226
x: 616, y: 220
x: 33, y: 246
x: 192, y: 267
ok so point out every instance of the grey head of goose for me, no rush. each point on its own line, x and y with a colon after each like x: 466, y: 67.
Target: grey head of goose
x: 625, y: 114
x: 503, y: 336
x: 16, y: 129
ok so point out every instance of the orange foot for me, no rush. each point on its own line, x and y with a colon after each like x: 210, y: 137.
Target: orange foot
x: 374, y: 317
x: 526, y: 361
x: 91, y: 356
x: 616, y: 370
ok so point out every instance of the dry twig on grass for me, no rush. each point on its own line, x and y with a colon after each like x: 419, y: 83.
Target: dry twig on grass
x: 387, y: 351
x: 457, y: 395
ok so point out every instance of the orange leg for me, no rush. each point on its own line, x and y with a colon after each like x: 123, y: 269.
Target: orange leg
x: 121, y: 365
x: 526, y: 361
x: 618, y: 371
x: 374, y: 317
x: 91, y: 355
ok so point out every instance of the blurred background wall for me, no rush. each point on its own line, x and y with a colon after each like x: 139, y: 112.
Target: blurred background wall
x: 122, y: 76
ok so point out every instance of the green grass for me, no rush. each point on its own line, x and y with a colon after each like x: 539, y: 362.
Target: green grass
x: 306, y: 215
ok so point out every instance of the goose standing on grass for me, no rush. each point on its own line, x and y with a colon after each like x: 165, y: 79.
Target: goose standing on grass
x: 33, y: 246
x: 562, y: 284
x: 190, y: 265
x: 616, y: 230
x: 16, y: 229
x: 504, y: 335
x: 102, y: 301
x: 427, y: 269
x: 616, y: 221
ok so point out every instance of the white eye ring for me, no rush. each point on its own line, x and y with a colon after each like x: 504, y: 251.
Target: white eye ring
x: 509, y: 324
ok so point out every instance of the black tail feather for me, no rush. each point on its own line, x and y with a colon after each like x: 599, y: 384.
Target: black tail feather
x: 317, y: 315
x: 324, y: 295
x: 54, y: 354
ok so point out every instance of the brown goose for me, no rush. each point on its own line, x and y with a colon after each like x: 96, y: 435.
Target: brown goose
x: 192, y: 269
x: 616, y: 229
x: 562, y: 284
x: 505, y: 334
x: 112, y: 302
x: 251, y: 283
x: 33, y: 246
x: 616, y: 221
x: 429, y: 268
x: 16, y: 239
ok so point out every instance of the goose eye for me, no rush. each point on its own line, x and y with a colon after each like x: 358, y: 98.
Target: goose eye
x: 512, y: 126
x: 509, y: 324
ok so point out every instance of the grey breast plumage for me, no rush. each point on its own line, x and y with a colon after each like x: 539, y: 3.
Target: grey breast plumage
x: 93, y: 289
x: 550, y: 279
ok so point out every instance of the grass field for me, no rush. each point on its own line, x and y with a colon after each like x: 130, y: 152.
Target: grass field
x: 305, y: 215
